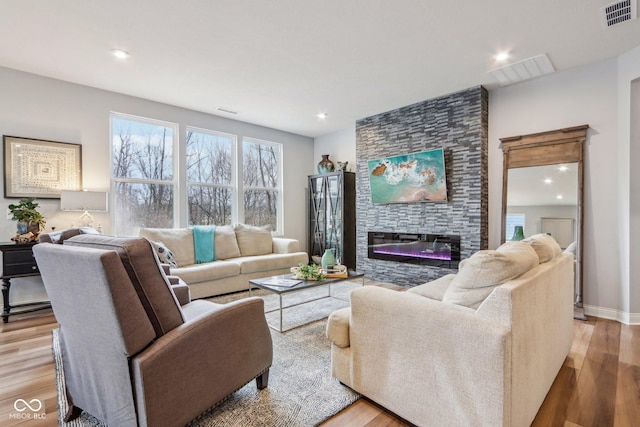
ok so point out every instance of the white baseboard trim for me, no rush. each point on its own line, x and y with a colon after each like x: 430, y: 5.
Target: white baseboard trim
x: 612, y: 314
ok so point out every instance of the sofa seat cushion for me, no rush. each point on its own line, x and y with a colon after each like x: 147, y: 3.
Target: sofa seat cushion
x: 178, y: 240
x: 545, y: 246
x: 199, y: 308
x: 197, y: 273
x: 254, y: 240
x: 258, y: 263
x: 487, y: 269
x: 434, y: 289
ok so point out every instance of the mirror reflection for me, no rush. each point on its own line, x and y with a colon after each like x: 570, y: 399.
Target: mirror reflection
x: 544, y: 199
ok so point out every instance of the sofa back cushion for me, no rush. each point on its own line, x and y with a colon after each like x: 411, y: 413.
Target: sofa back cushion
x: 178, y: 240
x: 149, y: 281
x: 545, y: 246
x: 226, y: 243
x: 254, y: 240
x: 487, y: 269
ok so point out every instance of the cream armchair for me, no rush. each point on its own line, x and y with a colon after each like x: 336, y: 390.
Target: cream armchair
x: 436, y: 363
x: 132, y: 355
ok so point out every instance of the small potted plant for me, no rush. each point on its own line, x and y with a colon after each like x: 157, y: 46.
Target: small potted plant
x: 308, y: 272
x: 27, y: 215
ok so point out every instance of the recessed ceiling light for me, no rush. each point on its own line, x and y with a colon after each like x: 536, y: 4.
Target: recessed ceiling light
x: 559, y: 196
x: 563, y: 168
x: 548, y: 181
x: 322, y: 116
x: 502, y: 56
x: 121, y: 54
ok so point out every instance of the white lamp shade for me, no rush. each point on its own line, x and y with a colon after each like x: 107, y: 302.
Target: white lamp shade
x: 95, y: 201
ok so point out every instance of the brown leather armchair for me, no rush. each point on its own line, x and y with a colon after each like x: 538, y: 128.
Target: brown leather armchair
x: 132, y: 355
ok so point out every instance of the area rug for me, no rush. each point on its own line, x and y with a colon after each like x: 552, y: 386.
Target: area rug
x: 301, y: 391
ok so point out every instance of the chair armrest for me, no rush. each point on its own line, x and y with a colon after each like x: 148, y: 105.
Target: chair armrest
x: 202, y: 361
x: 338, y: 327
x: 282, y: 245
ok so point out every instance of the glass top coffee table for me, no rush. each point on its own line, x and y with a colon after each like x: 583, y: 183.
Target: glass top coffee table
x: 284, y: 284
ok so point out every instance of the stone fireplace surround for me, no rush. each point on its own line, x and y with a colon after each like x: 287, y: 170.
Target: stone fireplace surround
x: 458, y: 123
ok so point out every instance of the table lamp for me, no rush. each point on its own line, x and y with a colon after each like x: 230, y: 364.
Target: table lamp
x: 84, y: 201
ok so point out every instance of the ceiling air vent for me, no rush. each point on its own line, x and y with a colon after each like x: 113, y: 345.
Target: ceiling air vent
x: 226, y: 110
x: 523, y: 70
x: 618, y: 12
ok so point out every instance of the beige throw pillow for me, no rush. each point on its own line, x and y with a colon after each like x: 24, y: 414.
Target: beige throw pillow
x: 254, y: 240
x: 545, y: 246
x: 178, y: 240
x: 487, y: 269
x: 226, y: 243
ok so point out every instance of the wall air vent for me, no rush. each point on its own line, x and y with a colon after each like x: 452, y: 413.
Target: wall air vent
x: 618, y: 12
x: 523, y: 70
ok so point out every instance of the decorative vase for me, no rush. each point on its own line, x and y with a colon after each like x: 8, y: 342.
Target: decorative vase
x: 325, y: 165
x: 518, y: 233
x: 22, y: 227
x: 328, y: 260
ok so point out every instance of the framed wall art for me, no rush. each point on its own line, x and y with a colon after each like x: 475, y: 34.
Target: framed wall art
x: 414, y: 177
x: 38, y: 168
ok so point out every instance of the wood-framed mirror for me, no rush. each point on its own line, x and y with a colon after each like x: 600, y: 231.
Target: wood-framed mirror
x: 542, y: 191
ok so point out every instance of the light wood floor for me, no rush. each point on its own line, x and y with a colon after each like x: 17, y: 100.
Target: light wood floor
x: 599, y: 384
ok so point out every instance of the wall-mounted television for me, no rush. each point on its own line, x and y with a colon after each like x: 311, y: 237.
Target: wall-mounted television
x: 408, y: 178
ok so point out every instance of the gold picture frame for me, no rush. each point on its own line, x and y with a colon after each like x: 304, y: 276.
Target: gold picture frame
x: 40, y: 168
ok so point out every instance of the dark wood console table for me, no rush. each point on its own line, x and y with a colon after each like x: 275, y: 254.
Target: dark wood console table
x: 17, y: 261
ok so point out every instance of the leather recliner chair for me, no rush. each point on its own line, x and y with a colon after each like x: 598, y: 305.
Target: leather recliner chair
x: 132, y: 355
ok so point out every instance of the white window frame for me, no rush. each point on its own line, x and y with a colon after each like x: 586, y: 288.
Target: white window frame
x: 233, y: 185
x: 279, y: 188
x: 175, y: 166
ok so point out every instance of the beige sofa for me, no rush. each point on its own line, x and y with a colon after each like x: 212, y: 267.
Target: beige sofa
x: 434, y: 361
x: 242, y: 252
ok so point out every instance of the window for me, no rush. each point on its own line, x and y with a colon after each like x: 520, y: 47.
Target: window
x: 261, y: 182
x: 210, y: 176
x: 221, y: 182
x: 142, y: 173
x: 512, y: 221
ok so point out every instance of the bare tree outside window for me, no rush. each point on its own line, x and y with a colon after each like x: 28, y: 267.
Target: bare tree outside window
x: 261, y: 182
x: 142, y: 172
x: 210, y: 177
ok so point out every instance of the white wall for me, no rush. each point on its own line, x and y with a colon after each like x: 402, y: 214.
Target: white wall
x: 341, y: 146
x: 598, y: 95
x: 37, y: 107
x: 629, y: 178
x: 585, y: 95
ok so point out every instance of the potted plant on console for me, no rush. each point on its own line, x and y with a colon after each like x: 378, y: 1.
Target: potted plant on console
x: 30, y: 221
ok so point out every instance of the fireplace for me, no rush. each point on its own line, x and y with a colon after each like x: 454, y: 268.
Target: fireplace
x: 438, y: 250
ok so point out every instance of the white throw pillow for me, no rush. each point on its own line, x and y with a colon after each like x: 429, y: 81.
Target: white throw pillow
x: 226, y: 243
x: 254, y: 240
x: 487, y: 269
x: 164, y: 254
x: 545, y: 246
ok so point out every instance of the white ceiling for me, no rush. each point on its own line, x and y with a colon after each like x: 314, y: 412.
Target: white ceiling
x: 281, y: 62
